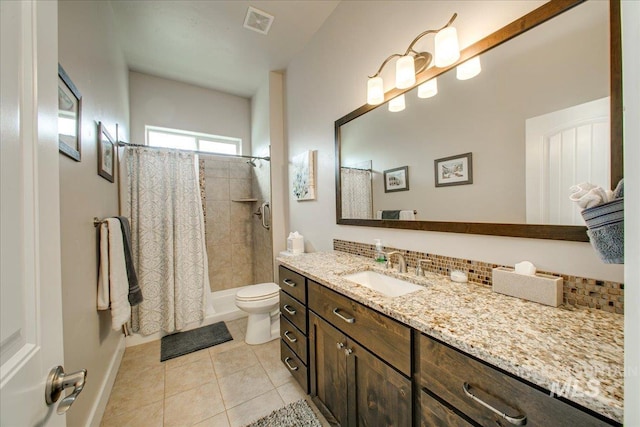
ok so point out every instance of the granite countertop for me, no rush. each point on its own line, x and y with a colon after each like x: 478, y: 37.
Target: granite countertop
x: 575, y: 351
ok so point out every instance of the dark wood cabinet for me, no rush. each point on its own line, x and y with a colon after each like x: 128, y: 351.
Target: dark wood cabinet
x: 294, y: 343
x: 357, y: 387
x: 434, y: 413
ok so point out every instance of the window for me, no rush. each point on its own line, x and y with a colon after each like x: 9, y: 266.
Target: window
x: 185, y: 140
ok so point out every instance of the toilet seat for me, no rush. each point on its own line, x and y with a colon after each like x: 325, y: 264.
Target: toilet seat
x: 258, y: 292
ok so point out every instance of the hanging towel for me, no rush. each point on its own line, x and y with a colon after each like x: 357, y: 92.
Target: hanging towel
x: 135, y: 293
x: 113, y: 284
x: 390, y: 214
x: 407, y: 215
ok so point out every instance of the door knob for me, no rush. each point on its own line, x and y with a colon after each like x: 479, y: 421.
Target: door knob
x: 57, y: 381
x: 340, y: 345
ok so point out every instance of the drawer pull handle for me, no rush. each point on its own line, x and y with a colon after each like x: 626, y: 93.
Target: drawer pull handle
x: 289, y: 309
x: 518, y: 421
x: 336, y: 311
x: 286, y: 362
x: 286, y: 335
x: 289, y: 283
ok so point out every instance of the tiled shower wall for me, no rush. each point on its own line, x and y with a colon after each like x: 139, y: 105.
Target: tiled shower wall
x: 228, y: 223
x: 577, y: 291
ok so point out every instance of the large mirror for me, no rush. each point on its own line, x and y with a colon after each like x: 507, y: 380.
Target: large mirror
x: 495, y: 154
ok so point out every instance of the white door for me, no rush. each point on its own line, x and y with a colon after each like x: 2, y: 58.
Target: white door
x: 31, y: 308
x: 565, y: 148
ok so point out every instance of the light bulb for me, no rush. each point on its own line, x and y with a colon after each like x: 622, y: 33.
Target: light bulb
x: 375, y: 91
x: 405, y: 72
x: 469, y: 69
x: 428, y: 88
x: 396, y: 104
x: 447, y: 48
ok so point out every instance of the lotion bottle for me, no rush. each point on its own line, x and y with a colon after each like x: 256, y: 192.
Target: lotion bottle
x: 380, y: 255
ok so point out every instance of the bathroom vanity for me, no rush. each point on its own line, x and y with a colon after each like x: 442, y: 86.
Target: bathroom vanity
x: 449, y: 354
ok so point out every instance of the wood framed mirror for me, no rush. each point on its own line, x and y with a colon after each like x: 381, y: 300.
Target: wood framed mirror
x: 476, y: 208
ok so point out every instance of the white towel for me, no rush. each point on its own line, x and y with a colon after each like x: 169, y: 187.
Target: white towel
x: 113, y: 284
x: 407, y: 216
x: 587, y: 195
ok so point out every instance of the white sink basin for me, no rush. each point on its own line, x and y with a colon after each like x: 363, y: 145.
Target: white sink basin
x: 386, y: 285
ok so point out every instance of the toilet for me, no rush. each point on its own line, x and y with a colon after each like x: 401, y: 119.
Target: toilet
x: 261, y: 301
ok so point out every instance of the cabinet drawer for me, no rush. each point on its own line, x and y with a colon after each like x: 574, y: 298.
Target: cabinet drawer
x: 295, y: 339
x: 295, y: 366
x: 293, y: 311
x: 388, y: 339
x: 436, y: 414
x: 293, y: 284
x: 445, y: 371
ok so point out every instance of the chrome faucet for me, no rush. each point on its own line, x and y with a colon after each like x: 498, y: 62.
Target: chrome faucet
x: 402, y: 264
x: 419, y: 269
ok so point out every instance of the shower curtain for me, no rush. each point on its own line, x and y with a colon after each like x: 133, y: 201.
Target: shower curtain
x: 357, y: 201
x: 167, y: 226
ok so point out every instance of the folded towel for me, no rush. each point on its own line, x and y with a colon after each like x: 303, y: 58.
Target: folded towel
x: 407, y: 215
x: 587, y: 195
x: 135, y: 293
x: 113, y: 284
x: 390, y: 214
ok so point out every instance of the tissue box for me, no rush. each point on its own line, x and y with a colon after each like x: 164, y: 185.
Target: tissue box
x: 540, y: 288
x: 295, y: 245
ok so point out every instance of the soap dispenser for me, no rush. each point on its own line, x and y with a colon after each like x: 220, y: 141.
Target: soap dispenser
x: 380, y: 255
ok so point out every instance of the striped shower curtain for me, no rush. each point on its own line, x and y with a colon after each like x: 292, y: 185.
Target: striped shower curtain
x: 162, y: 197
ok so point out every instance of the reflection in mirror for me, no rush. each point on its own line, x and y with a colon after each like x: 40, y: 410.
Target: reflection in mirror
x: 536, y: 120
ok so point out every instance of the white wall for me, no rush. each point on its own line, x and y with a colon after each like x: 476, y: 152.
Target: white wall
x: 328, y: 80
x: 89, y: 53
x: 631, y: 85
x: 267, y: 135
x: 155, y: 101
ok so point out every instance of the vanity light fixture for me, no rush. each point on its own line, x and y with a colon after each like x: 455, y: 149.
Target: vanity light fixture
x: 428, y: 88
x: 412, y: 62
x: 469, y: 69
x: 396, y: 104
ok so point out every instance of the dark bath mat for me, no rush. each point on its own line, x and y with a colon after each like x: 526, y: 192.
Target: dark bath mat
x: 182, y: 343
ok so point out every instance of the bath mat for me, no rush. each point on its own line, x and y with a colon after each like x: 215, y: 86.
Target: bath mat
x: 296, y: 414
x: 182, y: 343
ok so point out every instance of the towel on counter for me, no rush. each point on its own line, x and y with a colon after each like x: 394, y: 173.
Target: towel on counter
x: 605, y: 224
x: 135, y: 293
x: 587, y: 195
x: 407, y: 216
x: 113, y: 284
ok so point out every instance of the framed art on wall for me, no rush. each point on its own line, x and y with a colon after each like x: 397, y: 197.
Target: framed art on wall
x: 106, y: 154
x: 69, y: 116
x: 304, y: 184
x: 396, y: 179
x: 454, y: 170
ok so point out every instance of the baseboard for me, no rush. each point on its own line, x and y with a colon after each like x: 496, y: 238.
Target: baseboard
x: 99, y: 406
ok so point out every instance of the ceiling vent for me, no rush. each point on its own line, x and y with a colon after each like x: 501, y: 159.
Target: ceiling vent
x: 258, y: 20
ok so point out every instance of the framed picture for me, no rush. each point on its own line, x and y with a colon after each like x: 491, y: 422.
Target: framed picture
x: 396, y: 179
x: 106, y: 154
x: 304, y: 183
x: 454, y: 170
x: 69, y: 116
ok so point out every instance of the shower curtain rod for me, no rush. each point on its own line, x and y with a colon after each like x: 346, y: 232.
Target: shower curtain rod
x: 206, y: 153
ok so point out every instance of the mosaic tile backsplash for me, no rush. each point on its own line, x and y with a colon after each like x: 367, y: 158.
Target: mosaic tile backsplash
x: 577, y: 291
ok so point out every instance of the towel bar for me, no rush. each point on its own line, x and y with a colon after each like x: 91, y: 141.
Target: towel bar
x: 97, y: 221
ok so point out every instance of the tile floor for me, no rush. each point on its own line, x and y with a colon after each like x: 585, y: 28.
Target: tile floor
x: 228, y: 385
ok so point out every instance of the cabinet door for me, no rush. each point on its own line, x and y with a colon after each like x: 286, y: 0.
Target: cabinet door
x: 328, y: 367
x: 378, y: 395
